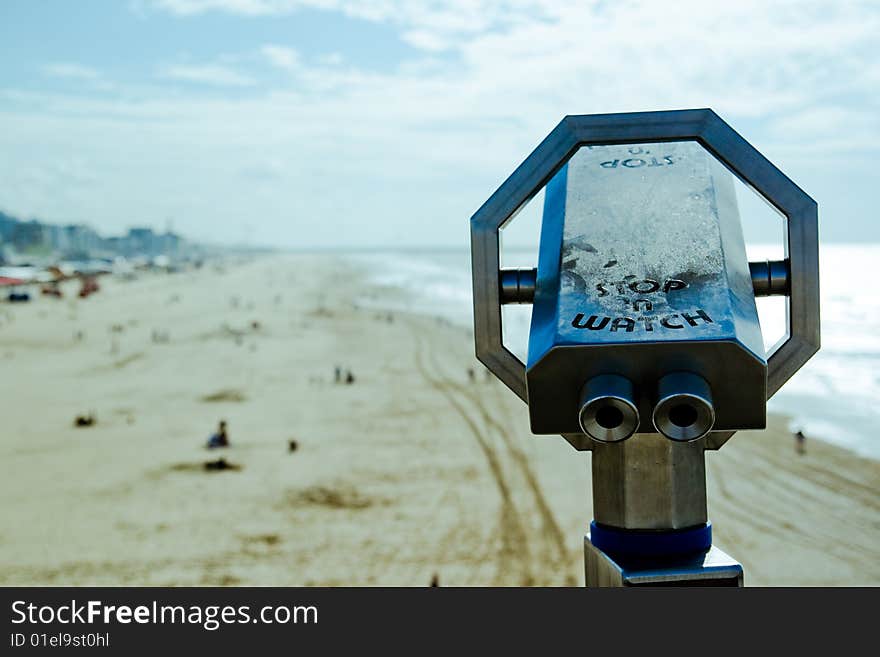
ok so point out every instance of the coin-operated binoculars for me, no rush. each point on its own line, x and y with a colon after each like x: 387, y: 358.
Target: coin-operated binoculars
x: 645, y: 346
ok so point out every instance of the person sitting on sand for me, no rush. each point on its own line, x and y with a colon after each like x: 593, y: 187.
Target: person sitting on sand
x: 219, y: 439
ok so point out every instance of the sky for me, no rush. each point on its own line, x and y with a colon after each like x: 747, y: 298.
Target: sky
x: 354, y: 123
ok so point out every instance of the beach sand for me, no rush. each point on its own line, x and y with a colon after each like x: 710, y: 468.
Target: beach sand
x: 410, y: 473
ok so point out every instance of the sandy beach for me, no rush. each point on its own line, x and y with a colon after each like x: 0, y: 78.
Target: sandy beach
x: 410, y: 473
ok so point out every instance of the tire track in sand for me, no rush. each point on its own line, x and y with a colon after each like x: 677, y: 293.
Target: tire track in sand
x: 551, y: 534
x: 513, y: 557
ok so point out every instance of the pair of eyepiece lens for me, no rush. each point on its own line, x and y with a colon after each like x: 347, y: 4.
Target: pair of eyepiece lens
x: 683, y: 411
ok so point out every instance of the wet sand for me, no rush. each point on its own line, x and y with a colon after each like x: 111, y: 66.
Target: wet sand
x: 410, y: 472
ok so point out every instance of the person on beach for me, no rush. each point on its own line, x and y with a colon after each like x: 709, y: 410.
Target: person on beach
x: 800, y: 442
x: 219, y: 439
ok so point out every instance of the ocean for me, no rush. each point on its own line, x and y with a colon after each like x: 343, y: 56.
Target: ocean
x: 835, y: 396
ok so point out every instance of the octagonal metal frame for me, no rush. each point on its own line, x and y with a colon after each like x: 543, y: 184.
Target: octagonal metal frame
x: 741, y: 158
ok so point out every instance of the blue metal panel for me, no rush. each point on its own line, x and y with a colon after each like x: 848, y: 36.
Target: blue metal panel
x: 642, y: 254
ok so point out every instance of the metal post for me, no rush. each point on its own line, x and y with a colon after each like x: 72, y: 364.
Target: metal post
x: 650, y: 523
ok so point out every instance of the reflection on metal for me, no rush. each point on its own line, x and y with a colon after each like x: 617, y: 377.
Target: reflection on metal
x: 710, y: 568
x: 642, y: 272
x: 770, y: 278
x: 607, y: 410
x: 684, y: 409
x: 517, y: 285
x: 649, y: 482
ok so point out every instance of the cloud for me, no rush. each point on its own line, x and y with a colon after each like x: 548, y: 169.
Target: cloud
x: 84, y: 78
x: 71, y: 71
x: 192, y: 7
x: 282, y: 57
x: 752, y: 57
x: 426, y: 40
x: 209, y: 74
x: 427, y: 25
x: 374, y: 155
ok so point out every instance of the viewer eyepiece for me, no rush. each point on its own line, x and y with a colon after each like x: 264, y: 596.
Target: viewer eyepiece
x: 607, y: 410
x: 684, y: 409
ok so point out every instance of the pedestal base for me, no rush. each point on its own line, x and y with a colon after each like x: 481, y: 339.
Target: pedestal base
x: 710, y: 568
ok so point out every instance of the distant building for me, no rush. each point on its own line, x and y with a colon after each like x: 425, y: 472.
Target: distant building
x: 141, y: 241
x: 27, y: 235
x: 115, y: 245
x: 55, y: 237
x: 80, y: 242
x: 7, y: 225
x: 169, y: 244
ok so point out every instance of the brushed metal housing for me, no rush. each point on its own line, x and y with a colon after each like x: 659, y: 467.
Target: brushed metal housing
x: 734, y: 152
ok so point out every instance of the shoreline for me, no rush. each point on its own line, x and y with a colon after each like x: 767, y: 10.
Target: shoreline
x: 848, y: 424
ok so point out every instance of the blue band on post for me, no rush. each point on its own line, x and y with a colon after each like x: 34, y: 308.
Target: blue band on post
x: 642, y: 543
